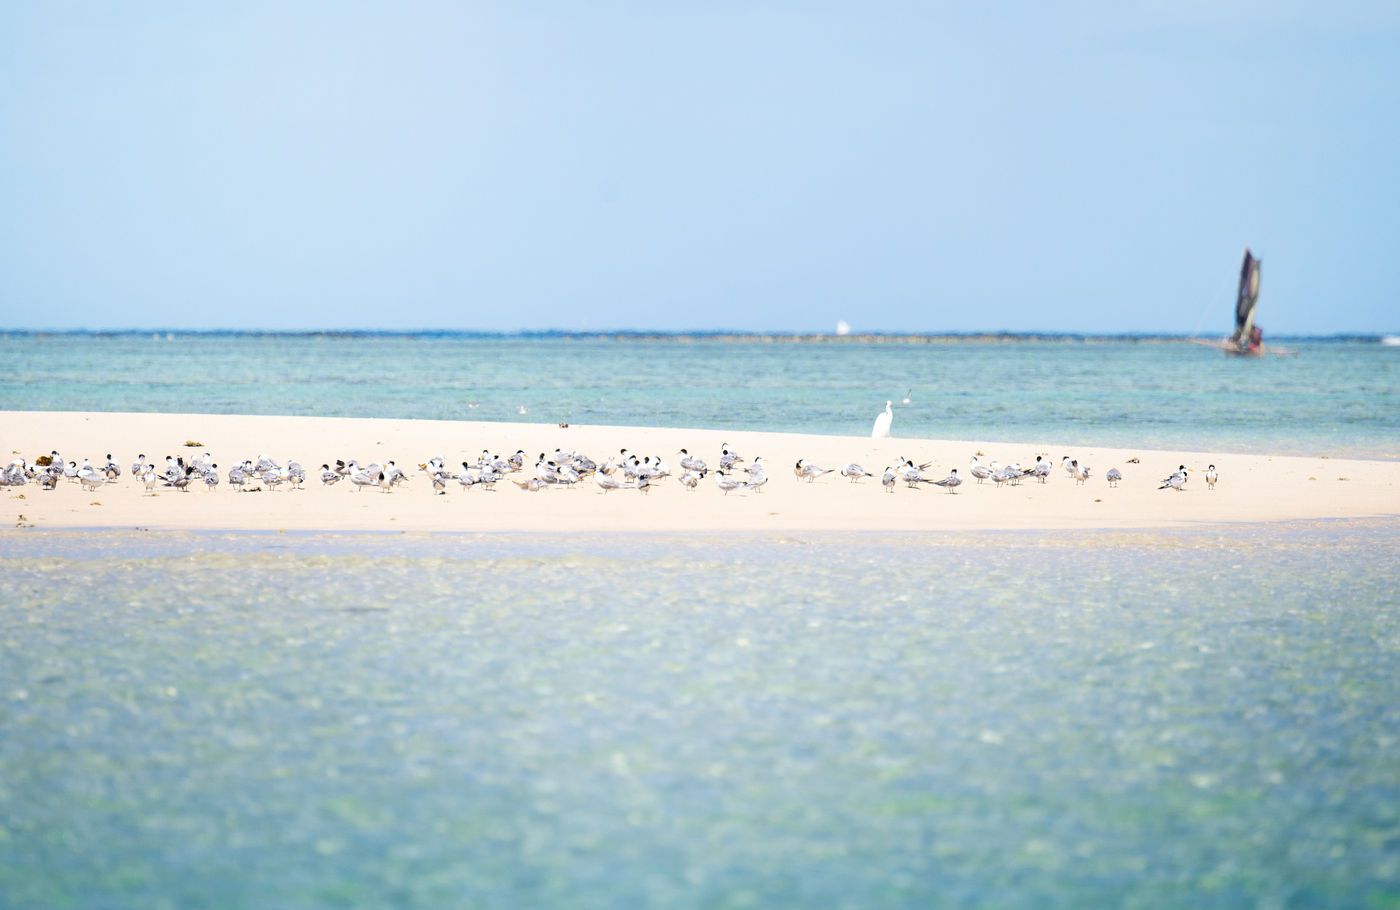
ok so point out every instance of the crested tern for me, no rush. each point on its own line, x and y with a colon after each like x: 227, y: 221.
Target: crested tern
x: 951, y: 482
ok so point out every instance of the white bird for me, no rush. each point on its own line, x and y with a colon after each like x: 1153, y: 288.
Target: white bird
x: 908, y: 396
x: 911, y: 474
x: 726, y: 483
x: 1212, y: 476
x: 690, y: 462
x: 979, y: 470
x: 360, y: 478
x: 804, y: 468
x: 888, y: 479
x: 1041, y: 470
x: 1081, y: 471
x: 854, y: 472
x: 1176, y: 481
x: 951, y: 482
x: 882, y: 423
x: 90, y: 477
x: 1003, y: 474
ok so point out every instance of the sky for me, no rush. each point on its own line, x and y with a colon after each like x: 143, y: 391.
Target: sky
x: 755, y: 166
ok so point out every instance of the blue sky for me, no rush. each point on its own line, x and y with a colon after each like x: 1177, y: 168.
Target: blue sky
x: 751, y: 166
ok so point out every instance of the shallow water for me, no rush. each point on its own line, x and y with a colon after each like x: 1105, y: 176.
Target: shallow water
x: 1206, y: 718
x: 1340, y: 398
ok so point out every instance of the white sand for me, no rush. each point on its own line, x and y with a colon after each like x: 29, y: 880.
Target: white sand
x: 1253, y: 488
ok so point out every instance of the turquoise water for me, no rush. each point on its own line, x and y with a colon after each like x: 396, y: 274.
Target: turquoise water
x: 1203, y: 718
x: 1340, y: 398
x: 1206, y: 718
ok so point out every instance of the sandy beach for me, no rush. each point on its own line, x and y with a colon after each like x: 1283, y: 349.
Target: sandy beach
x: 1252, y: 488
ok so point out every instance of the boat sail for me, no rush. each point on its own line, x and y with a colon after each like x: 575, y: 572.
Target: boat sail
x: 1249, y: 337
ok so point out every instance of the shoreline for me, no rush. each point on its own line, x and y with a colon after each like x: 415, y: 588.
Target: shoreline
x: 1254, y: 488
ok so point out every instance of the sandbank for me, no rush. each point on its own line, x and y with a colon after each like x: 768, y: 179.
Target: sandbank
x: 1253, y: 488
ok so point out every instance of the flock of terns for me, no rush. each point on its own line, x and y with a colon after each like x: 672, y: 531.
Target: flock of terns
x: 623, y: 471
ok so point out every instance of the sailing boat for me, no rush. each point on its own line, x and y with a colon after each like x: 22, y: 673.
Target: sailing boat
x: 1248, y: 337
x: 1248, y: 340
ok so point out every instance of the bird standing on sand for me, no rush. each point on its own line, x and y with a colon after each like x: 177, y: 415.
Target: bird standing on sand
x: 1212, y: 476
x: 951, y: 482
x: 854, y: 472
x: 882, y: 423
x: 1176, y: 481
x: 979, y: 470
x: 1113, y: 476
x: 727, y: 483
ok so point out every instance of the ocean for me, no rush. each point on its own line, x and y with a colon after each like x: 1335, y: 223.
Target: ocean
x: 1207, y: 717
x: 1336, y: 397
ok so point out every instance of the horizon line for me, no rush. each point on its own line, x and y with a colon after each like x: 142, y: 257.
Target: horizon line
x: 166, y: 333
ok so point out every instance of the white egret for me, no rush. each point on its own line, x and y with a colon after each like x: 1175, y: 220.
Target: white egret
x: 882, y: 423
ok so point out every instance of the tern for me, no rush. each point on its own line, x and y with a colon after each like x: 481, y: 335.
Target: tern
x: 1113, y: 476
x: 1176, y: 481
x: 690, y: 462
x: 1212, y: 476
x: 726, y: 483
x: 979, y: 470
x: 854, y: 472
x: 951, y: 482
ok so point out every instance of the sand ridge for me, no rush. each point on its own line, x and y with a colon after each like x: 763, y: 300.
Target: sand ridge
x: 1252, y: 488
